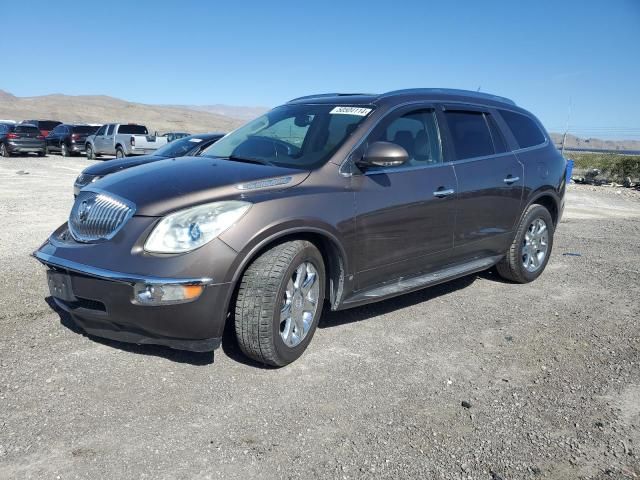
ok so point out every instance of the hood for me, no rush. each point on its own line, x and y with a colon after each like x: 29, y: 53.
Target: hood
x: 111, y: 166
x: 163, y: 186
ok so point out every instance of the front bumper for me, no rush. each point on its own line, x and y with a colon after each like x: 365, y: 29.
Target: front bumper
x: 102, y: 306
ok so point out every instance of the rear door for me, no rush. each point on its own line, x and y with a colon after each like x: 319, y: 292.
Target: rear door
x: 490, y: 182
x: 405, y: 215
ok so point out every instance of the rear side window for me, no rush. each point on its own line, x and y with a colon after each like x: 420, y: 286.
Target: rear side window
x: 470, y: 134
x: 133, y: 129
x: 48, y: 124
x: 84, y: 129
x: 526, y: 131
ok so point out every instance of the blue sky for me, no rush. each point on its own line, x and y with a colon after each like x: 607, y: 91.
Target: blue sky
x: 543, y: 54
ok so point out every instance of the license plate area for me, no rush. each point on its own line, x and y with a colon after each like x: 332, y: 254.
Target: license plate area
x: 60, y: 286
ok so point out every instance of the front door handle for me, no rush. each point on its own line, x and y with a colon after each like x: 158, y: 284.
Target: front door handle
x: 441, y: 193
x: 509, y: 180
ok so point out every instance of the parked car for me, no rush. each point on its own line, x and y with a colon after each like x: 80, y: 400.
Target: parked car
x: 188, y: 146
x: 122, y: 140
x: 171, y: 136
x: 69, y: 139
x: 330, y: 199
x: 22, y: 138
x: 8, y: 122
x: 45, y: 126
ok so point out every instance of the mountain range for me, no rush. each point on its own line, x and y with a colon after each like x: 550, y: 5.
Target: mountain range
x: 188, y: 118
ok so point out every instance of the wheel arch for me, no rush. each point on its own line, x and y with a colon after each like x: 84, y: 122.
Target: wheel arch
x: 332, y: 251
x: 548, y: 199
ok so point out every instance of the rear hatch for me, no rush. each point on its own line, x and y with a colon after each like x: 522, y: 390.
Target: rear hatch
x: 26, y: 136
x: 79, y: 133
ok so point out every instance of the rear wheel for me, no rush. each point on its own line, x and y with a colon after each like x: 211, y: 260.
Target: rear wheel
x: 4, y: 151
x: 529, y: 253
x: 279, y: 303
x: 120, y: 153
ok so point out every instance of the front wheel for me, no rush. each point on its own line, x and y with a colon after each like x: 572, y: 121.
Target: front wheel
x: 529, y: 253
x: 89, y: 152
x: 279, y: 303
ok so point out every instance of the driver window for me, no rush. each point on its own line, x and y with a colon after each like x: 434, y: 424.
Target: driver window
x: 101, y: 131
x: 417, y: 133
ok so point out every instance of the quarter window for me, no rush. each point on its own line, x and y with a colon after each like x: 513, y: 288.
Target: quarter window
x: 470, y: 134
x: 417, y: 133
x: 524, y: 129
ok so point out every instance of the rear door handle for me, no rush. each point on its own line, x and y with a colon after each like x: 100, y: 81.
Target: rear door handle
x: 509, y: 180
x: 441, y: 193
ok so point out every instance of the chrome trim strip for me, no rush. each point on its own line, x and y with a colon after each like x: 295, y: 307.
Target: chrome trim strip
x: 130, y: 278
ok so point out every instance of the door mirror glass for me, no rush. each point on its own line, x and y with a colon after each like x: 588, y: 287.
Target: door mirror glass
x: 383, y: 154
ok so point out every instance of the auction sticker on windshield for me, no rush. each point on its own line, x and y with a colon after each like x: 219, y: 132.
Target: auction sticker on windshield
x: 362, y: 112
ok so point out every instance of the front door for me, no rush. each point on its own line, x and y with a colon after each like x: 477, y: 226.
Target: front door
x: 405, y: 215
x: 98, y: 141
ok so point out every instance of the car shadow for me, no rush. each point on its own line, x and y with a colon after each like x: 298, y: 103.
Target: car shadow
x: 329, y: 319
x: 178, y: 356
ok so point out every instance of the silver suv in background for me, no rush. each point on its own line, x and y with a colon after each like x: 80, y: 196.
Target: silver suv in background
x: 122, y: 140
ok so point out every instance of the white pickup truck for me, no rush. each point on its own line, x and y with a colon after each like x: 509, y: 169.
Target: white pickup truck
x: 122, y: 140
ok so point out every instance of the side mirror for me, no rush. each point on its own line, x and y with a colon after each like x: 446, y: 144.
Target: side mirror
x: 383, y: 154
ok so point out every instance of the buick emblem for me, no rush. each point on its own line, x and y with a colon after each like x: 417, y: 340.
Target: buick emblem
x: 83, y: 211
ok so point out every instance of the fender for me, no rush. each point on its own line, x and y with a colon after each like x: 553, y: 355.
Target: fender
x: 274, y: 232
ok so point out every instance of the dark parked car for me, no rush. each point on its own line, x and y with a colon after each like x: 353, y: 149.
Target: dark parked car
x: 45, y: 126
x: 171, y: 136
x: 22, y: 138
x: 69, y: 139
x: 329, y: 199
x: 188, y: 146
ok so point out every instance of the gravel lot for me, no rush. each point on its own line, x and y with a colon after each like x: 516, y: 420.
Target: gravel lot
x: 551, y: 371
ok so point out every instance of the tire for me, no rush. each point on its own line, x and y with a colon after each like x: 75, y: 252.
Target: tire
x: 4, y: 151
x: 120, y: 153
x: 263, y: 332
x: 89, y: 151
x: 64, y: 150
x: 43, y: 153
x: 523, y: 262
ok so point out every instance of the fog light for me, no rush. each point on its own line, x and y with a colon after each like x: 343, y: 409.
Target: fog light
x: 159, y: 294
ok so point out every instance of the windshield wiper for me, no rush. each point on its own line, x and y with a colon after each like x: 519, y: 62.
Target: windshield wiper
x: 258, y: 161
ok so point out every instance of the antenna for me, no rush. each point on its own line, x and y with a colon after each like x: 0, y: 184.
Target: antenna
x: 566, y: 130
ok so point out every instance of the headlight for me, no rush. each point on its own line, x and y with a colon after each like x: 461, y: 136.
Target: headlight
x: 84, y: 179
x: 191, y: 228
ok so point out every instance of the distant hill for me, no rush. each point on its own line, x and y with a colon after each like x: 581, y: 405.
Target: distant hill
x: 103, y: 109
x: 240, y: 113
x: 595, y: 143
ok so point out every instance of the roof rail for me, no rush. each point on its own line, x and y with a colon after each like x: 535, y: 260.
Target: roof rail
x: 449, y: 91
x: 321, y: 95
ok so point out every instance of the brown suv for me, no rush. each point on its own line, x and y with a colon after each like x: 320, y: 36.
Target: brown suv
x: 329, y: 199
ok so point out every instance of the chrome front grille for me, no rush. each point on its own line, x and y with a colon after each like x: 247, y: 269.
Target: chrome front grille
x: 98, y: 216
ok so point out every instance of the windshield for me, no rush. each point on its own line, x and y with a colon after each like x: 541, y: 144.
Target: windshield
x: 133, y: 129
x: 179, y: 148
x: 298, y: 136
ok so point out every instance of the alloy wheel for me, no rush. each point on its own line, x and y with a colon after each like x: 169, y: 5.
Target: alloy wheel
x: 299, y: 304
x: 535, y: 245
